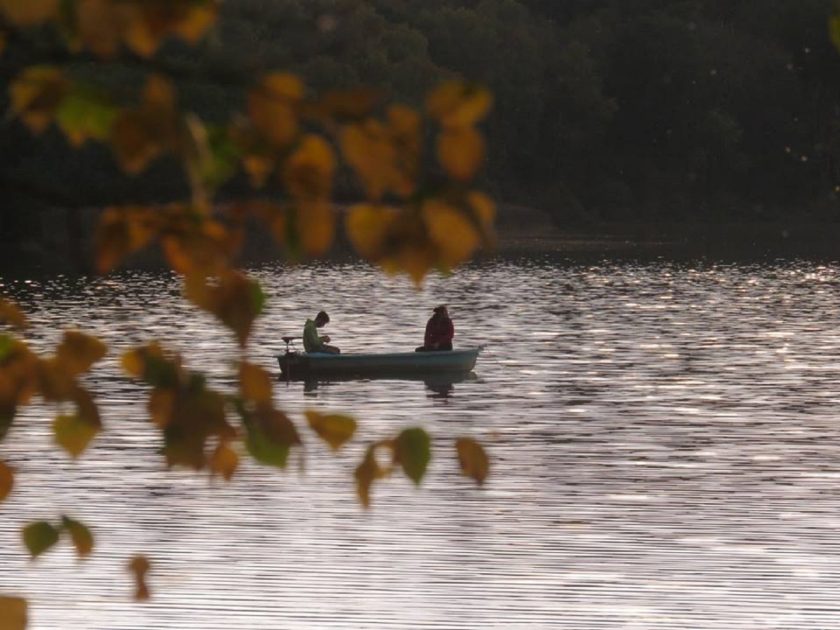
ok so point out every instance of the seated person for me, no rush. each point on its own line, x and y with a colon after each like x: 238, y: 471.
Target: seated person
x: 312, y: 342
x: 439, y: 331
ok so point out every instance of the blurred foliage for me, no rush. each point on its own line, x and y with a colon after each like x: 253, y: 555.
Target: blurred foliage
x: 288, y: 146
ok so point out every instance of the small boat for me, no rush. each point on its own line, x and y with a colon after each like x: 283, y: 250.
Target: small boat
x: 306, y: 365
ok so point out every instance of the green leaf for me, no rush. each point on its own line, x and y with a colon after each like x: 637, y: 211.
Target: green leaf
x: 79, y: 534
x: 270, y: 436
x: 85, y: 114
x: 73, y: 434
x: 13, y: 613
x: 413, y: 452
x: 39, y: 537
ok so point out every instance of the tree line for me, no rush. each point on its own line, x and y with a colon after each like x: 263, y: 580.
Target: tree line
x: 604, y: 109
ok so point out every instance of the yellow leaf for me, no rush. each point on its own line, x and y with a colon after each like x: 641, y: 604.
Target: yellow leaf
x: 483, y: 207
x: 367, y: 148
x: 461, y: 152
x: 451, y: 231
x: 139, y: 566
x: 368, y: 227
x: 234, y: 299
x: 197, y: 21
x: 224, y: 461
x: 258, y: 168
x: 80, y: 535
x: 12, y: 315
x: 29, y: 12
x: 36, y: 95
x: 73, y: 434
x: 142, y: 37
x: 366, y: 473
x: 254, y: 383
x: 77, y: 352
x: 458, y: 104
x: 13, y: 613
x: 272, y: 107
x: 316, y: 223
x: 334, y: 429
x: 7, y: 480
x: 474, y: 461
x: 308, y: 172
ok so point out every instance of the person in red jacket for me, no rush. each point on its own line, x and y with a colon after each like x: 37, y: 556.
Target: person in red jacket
x: 439, y: 331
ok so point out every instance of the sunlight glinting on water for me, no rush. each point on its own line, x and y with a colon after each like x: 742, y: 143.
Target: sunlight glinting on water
x: 664, y: 439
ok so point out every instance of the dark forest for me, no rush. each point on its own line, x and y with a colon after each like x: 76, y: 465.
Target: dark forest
x: 605, y: 110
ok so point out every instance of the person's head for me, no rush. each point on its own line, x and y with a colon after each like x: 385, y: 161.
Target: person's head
x: 441, y: 311
x: 322, y: 318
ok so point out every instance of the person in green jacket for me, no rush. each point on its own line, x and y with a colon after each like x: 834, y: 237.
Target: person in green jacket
x: 312, y: 341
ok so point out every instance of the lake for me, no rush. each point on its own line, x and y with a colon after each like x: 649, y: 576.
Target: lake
x: 664, y: 439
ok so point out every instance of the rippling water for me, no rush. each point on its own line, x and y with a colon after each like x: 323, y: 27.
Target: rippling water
x: 665, y: 446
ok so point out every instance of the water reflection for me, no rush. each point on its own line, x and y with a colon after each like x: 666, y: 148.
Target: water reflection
x: 664, y: 440
x: 439, y: 386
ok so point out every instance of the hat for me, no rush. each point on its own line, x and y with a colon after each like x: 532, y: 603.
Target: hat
x: 438, y: 309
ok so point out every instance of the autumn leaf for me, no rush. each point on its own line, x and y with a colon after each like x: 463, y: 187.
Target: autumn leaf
x: 80, y: 535
x: 254, y: 383
x: 13, y: 613
x: 369, y: 471
x: 367, y: 149
x: 315, y: 221
x: 36, y: 95
x: 11, y: 314
x: 7, y: 480
x: 334, y: 429
x: 77, y: 352
x: 272, y: 107
x: 198, y: 414
x: 368, y: 228
x: 139, y: 566
x: 484, y: 210
x: 74, y: 433
x: 141, y: 134
x: 461, y: 152
x: 473, y: 459
x: 29, y: 12
x: 234, y: 299
x: 412, y: 451
x: 39, y: 537
x: 308, y: 172
x: 454, y: 234
x: 224, y: 461
x: 270, y: 436
x: 122, y: 232
x: 458, y: 104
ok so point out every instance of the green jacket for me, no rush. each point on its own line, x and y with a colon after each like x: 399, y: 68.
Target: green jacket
x: 311, y: 339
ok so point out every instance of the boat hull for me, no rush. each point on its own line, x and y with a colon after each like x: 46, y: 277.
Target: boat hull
x: 307, y: 365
